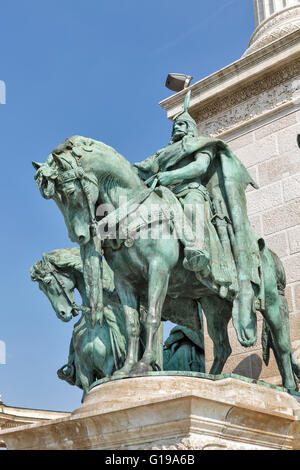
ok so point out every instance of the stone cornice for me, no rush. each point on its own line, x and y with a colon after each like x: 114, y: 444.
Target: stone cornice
x: 10, y: 416
x: 247, y: 103
x: 235, y: 76
x: 6, y: 410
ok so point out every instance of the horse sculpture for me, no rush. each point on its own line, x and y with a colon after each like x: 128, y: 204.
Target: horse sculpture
x: 94, y: 352
x: 97, y: 352
x: 82, y: 174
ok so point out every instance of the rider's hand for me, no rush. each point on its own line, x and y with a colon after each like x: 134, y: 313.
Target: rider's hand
x: 165, y: 178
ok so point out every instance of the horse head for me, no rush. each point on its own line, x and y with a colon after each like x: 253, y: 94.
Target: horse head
x: 64, y: 178
x: 57, y: 285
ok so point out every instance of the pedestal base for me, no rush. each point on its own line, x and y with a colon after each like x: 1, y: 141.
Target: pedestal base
x: 171, y: 412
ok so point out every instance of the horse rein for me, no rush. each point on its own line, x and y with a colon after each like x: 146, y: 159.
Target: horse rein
x: 84, y: 309
x: 78, y: 174
x: 118, y: 214
x: 53, y: 272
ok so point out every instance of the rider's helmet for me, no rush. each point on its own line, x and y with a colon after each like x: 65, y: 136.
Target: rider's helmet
x: 184, y: 116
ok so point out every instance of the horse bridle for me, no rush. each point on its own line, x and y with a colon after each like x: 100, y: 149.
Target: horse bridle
x: 63, y: 290
x: 78, y: 174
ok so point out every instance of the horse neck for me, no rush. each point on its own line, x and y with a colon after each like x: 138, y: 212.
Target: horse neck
x: 116, y: 176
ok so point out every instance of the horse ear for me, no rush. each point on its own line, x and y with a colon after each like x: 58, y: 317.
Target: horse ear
x: 58, y: 161
x: 33, y: 273
x: 37, y: 165
x: 45, y: 260
x: 61, y: 162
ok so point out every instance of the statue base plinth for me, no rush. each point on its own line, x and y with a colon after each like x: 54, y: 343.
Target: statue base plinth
x: 169, y: 411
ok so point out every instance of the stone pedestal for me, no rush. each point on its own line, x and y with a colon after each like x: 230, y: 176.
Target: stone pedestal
x: 196, y: 411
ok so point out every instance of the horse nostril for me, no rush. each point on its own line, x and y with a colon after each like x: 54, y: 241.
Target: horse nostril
x: 81, y: 238
x: 62, y: 313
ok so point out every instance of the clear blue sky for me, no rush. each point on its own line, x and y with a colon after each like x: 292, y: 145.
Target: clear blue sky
x: 97, y: 69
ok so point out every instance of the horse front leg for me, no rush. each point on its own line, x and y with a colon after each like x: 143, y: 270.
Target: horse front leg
x: 218, y: 313
x: 157, y: 290
x: 130, y: 304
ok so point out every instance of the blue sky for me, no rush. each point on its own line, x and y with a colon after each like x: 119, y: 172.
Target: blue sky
x: 97, y: 69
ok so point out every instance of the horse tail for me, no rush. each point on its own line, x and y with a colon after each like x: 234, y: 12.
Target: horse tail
x: 266, y: 339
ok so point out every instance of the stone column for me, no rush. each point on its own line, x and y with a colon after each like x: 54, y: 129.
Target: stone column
x: 263, y: 9
x: 274, y: 19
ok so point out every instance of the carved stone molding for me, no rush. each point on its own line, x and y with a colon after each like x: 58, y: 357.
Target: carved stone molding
x: 237, y: 76
x: 272, y: 35
x: 277, y: 26
x: 278, y: 18
x: 12, y: 417
x: 226, y: 112
x: 199, y: 443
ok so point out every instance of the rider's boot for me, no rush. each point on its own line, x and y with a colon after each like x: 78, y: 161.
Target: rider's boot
x: 196, y: 261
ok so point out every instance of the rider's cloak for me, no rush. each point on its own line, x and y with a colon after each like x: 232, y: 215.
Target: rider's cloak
x: 226, y: 181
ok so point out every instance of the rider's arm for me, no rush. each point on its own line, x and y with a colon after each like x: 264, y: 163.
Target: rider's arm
x: 193, y: 170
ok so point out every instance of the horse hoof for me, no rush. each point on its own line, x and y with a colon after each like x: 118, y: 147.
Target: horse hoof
x: 119, y: 374
x: 140, y: 368
x: 291, y: 388
x: 124, y: 372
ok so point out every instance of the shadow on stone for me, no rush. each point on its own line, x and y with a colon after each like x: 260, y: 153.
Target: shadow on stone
x: 250, y: 367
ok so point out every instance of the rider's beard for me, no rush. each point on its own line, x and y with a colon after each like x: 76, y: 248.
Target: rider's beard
x: 178, y: 136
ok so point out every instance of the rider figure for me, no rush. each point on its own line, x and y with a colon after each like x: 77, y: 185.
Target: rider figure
x: 183, y: 173
x: 204, y: 173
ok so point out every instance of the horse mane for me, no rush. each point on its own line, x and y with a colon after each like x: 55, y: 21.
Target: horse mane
x: 63, y: 258
x: 113, y: 312
x: 88, y: 145
x: 68, y: 258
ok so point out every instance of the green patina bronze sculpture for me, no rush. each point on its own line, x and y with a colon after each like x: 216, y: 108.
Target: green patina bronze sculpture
x: 184, y: 350
x: 216, y: 261
x: 97, y: 352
